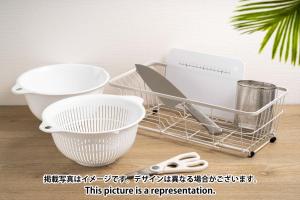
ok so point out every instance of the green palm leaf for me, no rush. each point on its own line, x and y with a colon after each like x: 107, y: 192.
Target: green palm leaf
x: 279, y: 19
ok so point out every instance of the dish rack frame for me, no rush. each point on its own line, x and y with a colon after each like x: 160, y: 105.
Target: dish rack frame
x: 178, y: 123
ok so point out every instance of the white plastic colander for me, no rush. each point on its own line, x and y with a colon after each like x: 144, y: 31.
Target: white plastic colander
x: 94, y: 130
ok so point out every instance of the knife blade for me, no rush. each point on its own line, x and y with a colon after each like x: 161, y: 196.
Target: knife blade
x: 160, y: 84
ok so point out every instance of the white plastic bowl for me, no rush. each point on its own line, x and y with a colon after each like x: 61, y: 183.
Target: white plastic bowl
x: 45, y: 85
x: 94, y: 130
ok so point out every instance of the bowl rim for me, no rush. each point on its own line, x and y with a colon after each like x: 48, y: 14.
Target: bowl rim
x: 30, y: 91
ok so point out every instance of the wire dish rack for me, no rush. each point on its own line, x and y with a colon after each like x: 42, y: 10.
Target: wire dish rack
x: 178, y: 123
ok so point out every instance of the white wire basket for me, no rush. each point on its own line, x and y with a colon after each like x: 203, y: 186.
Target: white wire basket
x: 179, y: 124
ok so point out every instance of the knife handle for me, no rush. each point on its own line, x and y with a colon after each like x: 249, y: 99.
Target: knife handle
x: 211, y: 126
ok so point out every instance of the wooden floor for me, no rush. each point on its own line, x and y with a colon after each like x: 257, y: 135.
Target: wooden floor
x: 26, y: 154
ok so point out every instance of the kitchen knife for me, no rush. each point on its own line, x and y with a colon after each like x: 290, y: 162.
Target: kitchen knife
x: 159, y: 83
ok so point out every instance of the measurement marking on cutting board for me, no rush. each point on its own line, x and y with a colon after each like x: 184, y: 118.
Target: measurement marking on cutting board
x: 205, y: 68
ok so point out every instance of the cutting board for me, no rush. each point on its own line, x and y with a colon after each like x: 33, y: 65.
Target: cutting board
x: 207, y: 78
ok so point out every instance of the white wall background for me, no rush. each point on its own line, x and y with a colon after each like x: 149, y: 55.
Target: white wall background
x: 116, y: 34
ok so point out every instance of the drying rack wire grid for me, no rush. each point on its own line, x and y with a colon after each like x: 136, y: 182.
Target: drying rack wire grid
x: 178, y: 123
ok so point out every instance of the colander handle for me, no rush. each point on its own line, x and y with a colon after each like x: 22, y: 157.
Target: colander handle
x: 48, y: 128
x: 137, y: 99
x: 17, y: 89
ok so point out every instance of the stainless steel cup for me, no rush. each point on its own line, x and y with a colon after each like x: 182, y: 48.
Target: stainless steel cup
x: 251, y: 96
